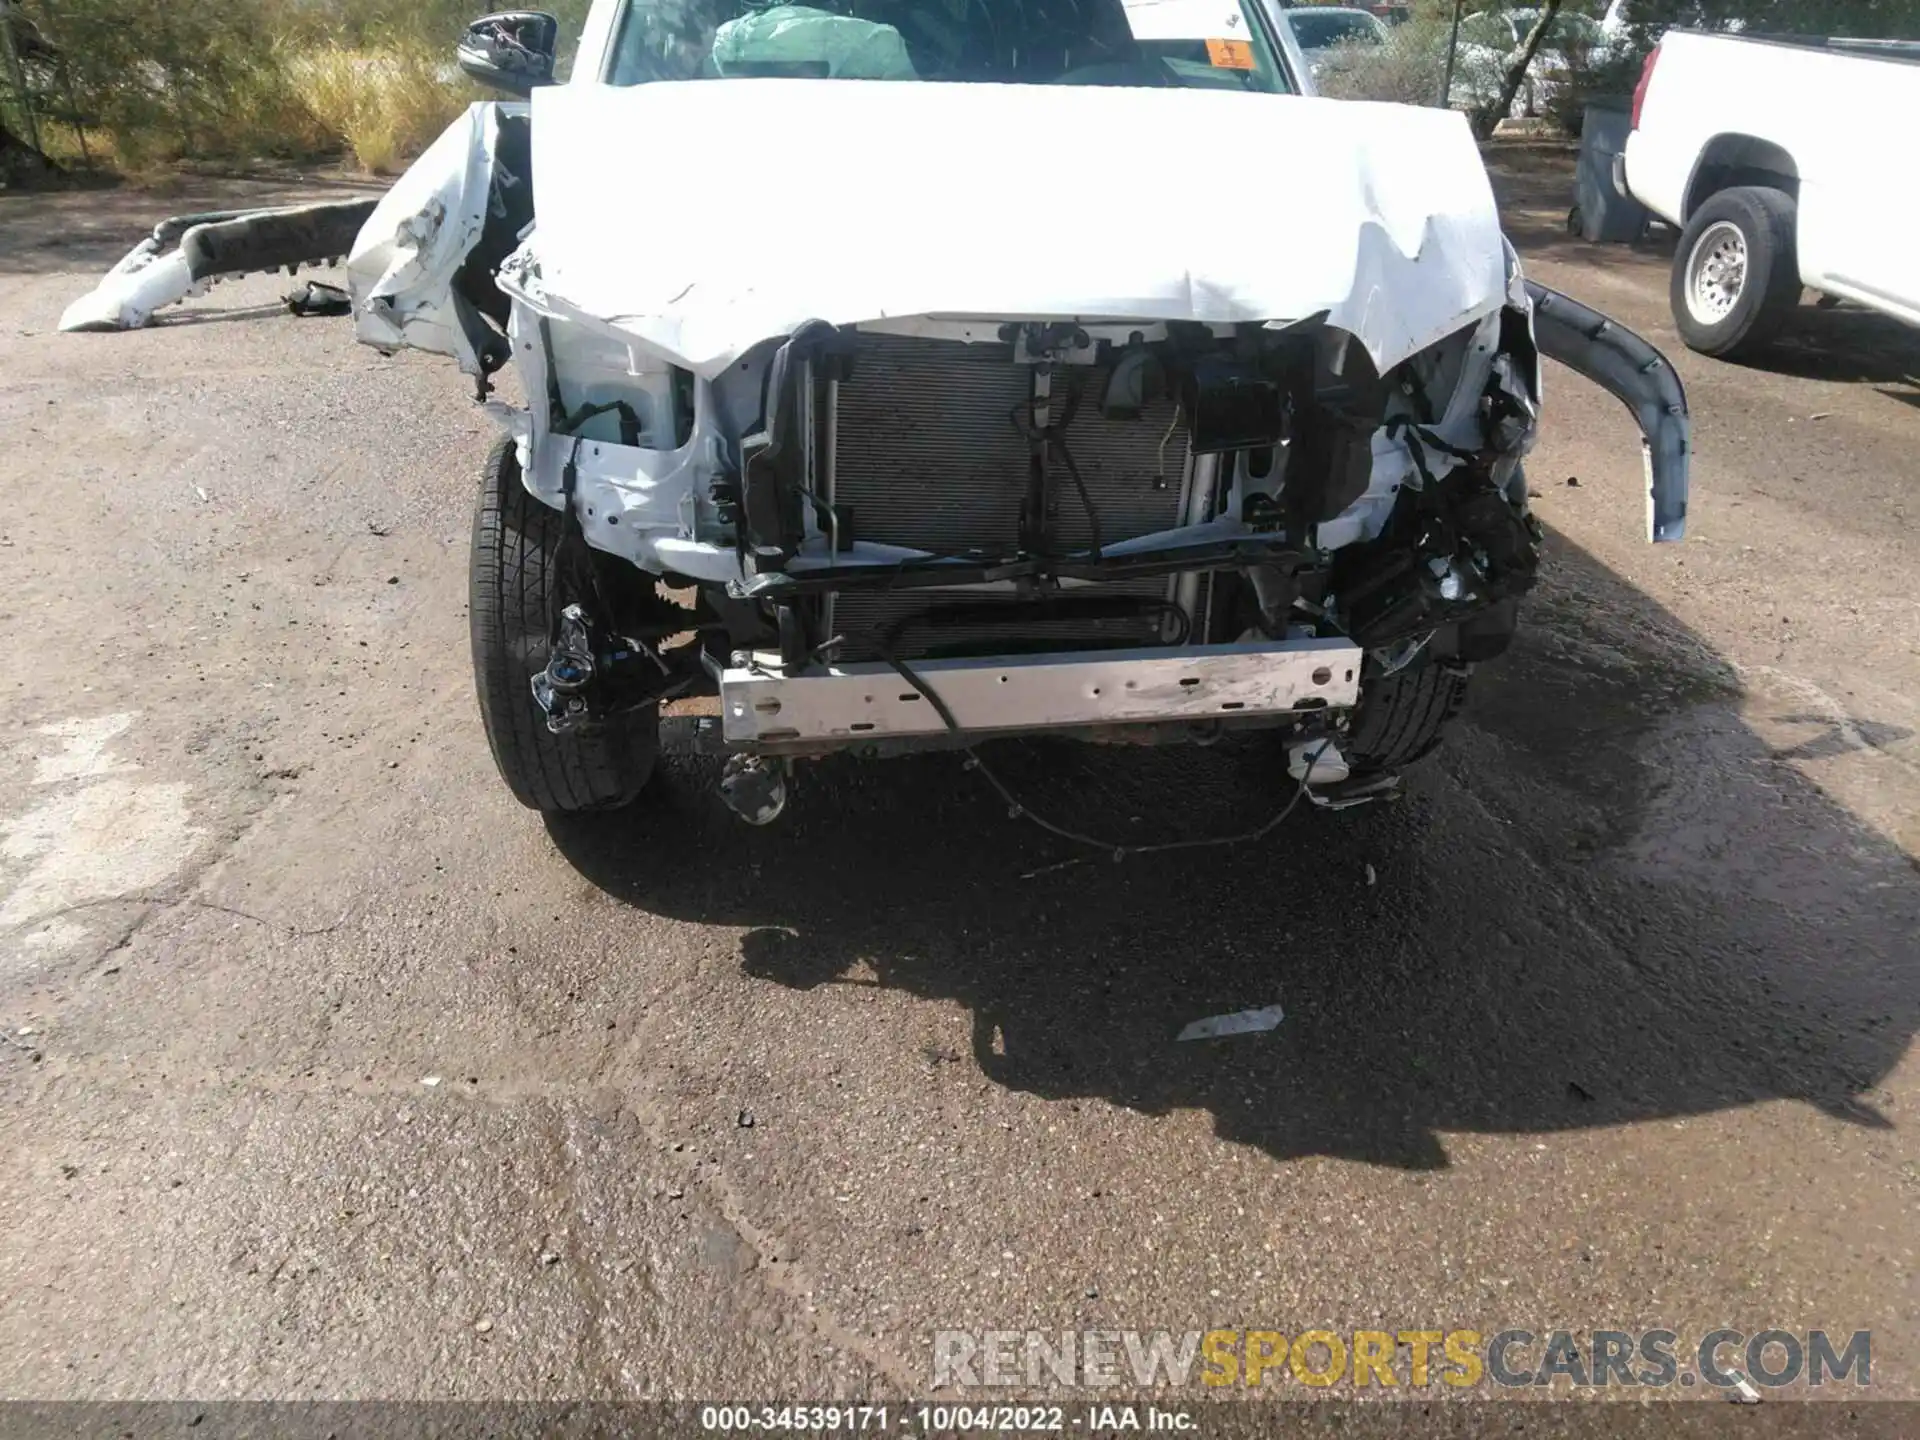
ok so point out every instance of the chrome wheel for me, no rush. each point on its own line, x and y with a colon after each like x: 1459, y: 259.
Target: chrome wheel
x: 1716, y: 272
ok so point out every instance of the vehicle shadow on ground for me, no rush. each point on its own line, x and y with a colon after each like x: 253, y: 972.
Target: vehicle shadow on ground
x: 1609, y: 901
x: 1850, y: 344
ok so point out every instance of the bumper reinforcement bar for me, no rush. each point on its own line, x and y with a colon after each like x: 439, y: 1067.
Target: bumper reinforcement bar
x: 857, y: 703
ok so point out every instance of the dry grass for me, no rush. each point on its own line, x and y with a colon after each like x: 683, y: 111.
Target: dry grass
x: 378, y: 106
x: 383, y: 105
x: 266, y: 113
x: 155, y: 82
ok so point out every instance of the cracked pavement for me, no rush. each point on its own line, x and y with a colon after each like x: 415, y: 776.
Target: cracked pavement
x: 329, y: 1072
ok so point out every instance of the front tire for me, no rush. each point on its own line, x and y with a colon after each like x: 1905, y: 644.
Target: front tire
x: 1736, y: 274
x: 1404, y: 716
x: 513, y: 576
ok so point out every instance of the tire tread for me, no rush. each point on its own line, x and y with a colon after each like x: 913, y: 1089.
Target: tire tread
x: 511, y: 575
x: 1404, y: 717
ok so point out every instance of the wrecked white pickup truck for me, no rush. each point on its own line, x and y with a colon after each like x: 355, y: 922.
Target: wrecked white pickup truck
x: 1088, y: 380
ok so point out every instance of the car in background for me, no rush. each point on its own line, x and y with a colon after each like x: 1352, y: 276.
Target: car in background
x: 1319, y: 29
x: 1574, y: 43
x: 1770, y: 154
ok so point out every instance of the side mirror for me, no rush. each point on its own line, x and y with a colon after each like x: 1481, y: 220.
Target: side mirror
x: 512, y: 51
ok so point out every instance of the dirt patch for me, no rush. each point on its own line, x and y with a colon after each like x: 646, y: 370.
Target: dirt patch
x: 1533, y: 183
x: 1531, y: 173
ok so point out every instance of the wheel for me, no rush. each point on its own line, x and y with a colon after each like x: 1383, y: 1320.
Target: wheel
x: 1736, y: 275
x: 512, y: 577
x: 1404, y: 716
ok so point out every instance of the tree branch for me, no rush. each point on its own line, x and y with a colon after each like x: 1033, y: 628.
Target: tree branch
x: 1515, y: 73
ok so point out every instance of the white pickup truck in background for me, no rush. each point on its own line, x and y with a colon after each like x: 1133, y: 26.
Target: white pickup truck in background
x: 1785, y: 163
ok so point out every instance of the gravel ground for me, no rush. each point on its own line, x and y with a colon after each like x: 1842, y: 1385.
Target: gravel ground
x: 329, y: 1072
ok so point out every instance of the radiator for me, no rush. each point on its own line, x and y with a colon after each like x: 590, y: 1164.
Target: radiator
x: 928, y: 455
x: 865, y: 616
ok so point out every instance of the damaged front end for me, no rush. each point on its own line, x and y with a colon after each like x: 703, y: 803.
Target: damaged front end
x: 866, y: 514
x: 1082, y: 526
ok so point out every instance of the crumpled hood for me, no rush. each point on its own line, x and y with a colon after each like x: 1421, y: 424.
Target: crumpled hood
x: 702, y: 217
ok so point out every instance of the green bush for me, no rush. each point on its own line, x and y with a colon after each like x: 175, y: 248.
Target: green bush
x: 1409, y: 69
x: 386, y: 102
x: 152, y: 82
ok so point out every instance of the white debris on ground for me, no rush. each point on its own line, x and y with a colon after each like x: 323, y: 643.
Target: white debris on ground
x: 1239, y: 1022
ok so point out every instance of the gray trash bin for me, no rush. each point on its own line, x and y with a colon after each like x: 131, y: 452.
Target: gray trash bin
x: 1604, y: 211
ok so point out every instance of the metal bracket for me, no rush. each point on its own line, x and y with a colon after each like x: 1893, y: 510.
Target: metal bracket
x: 591, y: 676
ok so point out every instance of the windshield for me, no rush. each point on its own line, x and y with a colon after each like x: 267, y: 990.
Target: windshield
x: 1191, y: 43
x: 1323, y: 29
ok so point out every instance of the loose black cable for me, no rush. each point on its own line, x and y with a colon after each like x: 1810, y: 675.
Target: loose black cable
x: 1016, y: 810
x: 1052, y: 437
x: 1086, y: 500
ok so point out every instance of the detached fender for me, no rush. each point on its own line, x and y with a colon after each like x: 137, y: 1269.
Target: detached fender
x: 413, y: 270
x: 1627, y: 367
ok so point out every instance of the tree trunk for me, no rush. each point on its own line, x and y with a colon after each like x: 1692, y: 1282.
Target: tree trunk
x: 20, y: 160
x: 20, y: 156
x: 1515, y: 73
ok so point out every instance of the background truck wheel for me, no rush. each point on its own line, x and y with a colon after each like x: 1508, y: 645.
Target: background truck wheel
x: 1736, y: 274
x: 510, y: 584
x: 1405, y: 715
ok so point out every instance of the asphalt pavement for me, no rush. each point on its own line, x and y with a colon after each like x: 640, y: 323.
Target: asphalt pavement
x: 327, y: 1071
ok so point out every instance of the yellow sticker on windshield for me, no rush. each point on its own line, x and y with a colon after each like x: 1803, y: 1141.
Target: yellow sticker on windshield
x: 1230, y: 54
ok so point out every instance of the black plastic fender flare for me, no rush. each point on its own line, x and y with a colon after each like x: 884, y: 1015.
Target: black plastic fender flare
x: 238, y: 244
x: 1641, y: 378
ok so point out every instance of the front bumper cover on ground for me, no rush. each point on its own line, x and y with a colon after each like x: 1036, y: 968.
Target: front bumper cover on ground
x: 186, y: 251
